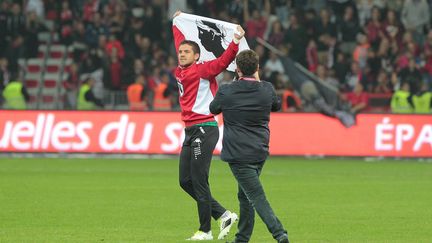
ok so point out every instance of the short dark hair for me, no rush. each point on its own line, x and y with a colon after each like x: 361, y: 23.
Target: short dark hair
x: 247, y: 61
x: 195, y: 46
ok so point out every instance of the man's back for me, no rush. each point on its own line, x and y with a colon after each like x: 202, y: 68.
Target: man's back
x: 246, y: 107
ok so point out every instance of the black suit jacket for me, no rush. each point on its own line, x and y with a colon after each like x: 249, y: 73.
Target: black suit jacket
x: 246, y: 107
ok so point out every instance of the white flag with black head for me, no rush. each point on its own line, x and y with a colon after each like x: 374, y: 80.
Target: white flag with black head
x: 213, y: 36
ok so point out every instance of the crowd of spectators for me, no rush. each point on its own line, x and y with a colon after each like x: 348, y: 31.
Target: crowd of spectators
x: 357, y: 46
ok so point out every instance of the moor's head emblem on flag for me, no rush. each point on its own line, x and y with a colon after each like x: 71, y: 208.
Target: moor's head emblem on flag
x: 212, y: 36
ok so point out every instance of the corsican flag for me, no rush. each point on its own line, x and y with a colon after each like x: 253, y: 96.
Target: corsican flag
x: 213, y: 36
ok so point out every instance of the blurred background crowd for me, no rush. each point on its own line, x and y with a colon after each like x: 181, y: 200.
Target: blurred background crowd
x: 119, y: 54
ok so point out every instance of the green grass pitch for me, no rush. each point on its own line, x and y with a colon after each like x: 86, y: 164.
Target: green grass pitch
x: 121, y: 200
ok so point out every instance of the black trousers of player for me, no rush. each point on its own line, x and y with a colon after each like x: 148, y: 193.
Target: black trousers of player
x: 195, y: 159
x: 252, y: 197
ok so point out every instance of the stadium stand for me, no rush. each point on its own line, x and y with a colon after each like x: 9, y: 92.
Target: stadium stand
x: 371, y: 42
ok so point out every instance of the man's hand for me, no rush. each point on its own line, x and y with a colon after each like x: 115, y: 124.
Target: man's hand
x: 238, y: 34
x: 177, y: 13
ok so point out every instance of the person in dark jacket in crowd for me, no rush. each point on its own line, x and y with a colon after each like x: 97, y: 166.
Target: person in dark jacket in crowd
x: 246, y: 105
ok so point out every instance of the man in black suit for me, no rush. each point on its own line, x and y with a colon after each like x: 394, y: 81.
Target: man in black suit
x: 246, y: 105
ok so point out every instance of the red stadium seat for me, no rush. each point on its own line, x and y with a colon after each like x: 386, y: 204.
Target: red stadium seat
x: 48, y: 98
x: 67, y: 64
x: 35, y: 65
x: 70, y: 52
x: 57, y: 51
x: 53, y: 66
x: 33, y: 99
x: 51, y: 80
x: 32, y: 80
x: 42, y: 51
x: 34, y: 94
x: 29, y: 83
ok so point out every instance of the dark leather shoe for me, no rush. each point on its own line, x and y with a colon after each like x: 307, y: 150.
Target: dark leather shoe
x: 284, y: 241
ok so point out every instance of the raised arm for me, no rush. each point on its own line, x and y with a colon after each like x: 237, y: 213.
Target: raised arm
x: 214, y: 67
x: 178, y: 36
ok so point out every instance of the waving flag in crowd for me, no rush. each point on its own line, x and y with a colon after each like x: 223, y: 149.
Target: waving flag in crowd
x: 317, y: 95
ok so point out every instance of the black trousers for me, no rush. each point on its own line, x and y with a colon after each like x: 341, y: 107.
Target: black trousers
x: 195, y: 159
x: 252, y: 198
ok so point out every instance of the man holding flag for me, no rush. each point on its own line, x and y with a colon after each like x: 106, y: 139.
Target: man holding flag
x: 197, y: 87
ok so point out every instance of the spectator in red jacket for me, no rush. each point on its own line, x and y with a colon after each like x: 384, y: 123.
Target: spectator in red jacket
x: 114, y: 43
x: 358, y: 98
x: 113, y: 72
x: 256, y: 24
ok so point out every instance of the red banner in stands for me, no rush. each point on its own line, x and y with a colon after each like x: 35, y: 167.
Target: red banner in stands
x: 162, y: 133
